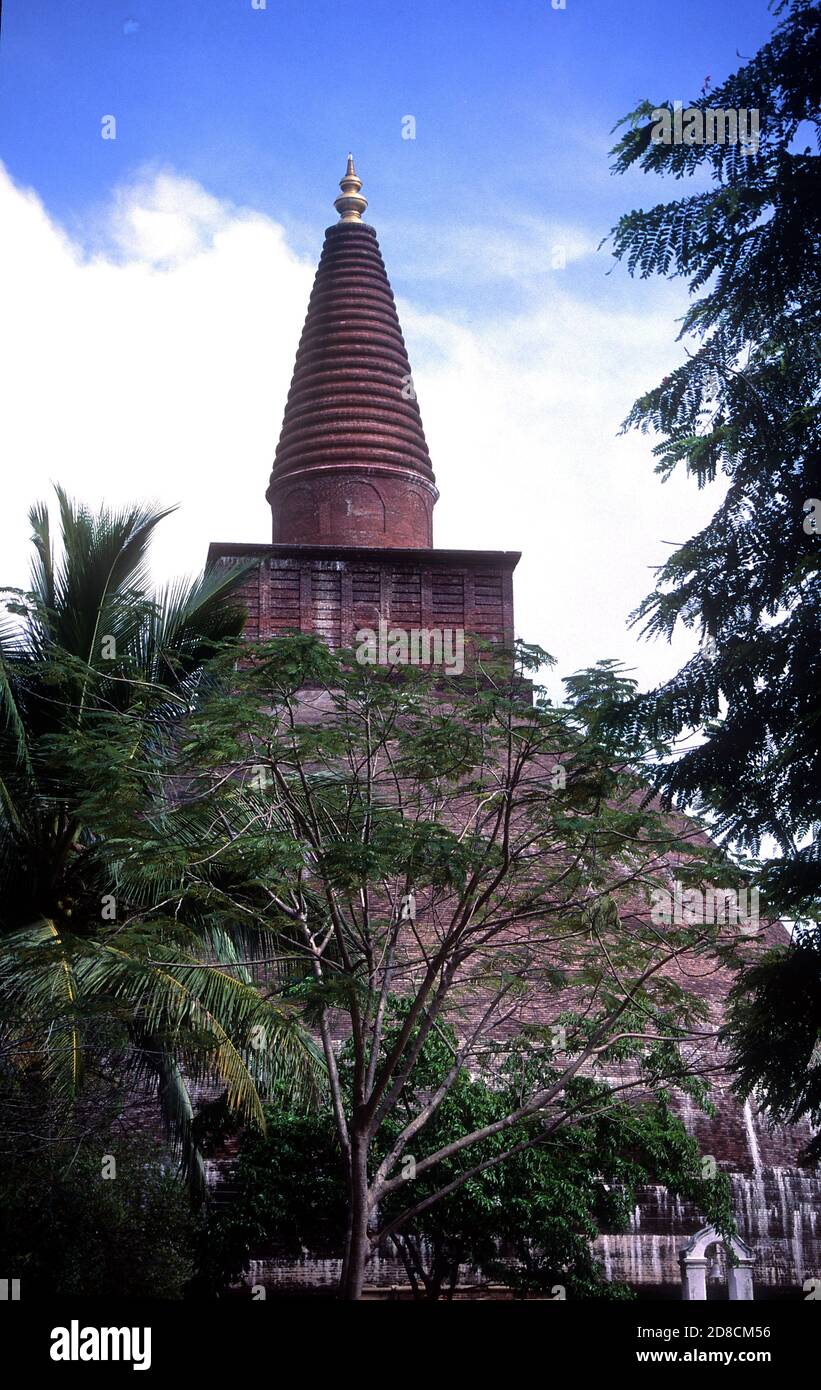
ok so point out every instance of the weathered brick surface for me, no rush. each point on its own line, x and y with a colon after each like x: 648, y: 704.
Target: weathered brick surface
x: 334, y: 592
x: 352, y: 465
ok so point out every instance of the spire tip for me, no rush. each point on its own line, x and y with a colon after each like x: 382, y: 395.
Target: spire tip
x: 350, y: 205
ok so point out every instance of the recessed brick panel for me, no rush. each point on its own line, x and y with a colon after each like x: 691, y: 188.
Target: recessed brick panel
x: 297, y: 588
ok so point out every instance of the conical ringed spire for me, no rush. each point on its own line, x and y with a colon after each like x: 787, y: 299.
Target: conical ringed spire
x: 352, y: 466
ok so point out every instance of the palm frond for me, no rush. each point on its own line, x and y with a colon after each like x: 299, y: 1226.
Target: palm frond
x: 190, y: 619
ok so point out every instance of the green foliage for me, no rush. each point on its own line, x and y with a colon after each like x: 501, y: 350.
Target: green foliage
x: 539, y: 1192
x: 776, y: 1008
x: 109, y: 941
x: 289, y: 837
x: 527, y: 1222
x: 745, y: 405
x: 287, y: 1196
x: 358, y: 791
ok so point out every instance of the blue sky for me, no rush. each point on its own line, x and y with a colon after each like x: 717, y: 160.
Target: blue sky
x: 513, y: 100
x: 154, y: 285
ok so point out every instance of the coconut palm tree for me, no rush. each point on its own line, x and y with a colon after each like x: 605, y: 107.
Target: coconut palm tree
x: 113, y: 955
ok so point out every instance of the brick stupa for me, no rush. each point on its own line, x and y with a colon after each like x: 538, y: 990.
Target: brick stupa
x: 352, y: 493
x: 352, y: 489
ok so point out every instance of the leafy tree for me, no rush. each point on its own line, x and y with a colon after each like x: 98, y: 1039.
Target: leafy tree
x: 489, y: 861
x: 286, y: 1195
x: 105, y: 958
x: 744, y: 406
x: 527, y: 1223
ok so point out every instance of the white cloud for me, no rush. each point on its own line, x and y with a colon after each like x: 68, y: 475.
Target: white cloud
x: 163, y: 219
x: 523, y: 422
x: 508, y: 247
x: 156, y: 366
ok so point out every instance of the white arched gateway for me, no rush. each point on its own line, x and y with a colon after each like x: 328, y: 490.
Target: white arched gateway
x: 705, y: 1249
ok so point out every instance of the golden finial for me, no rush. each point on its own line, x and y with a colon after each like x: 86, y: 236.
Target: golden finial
x: 350, y: 204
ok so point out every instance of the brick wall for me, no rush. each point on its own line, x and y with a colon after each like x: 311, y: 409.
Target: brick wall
x: 334, y: 592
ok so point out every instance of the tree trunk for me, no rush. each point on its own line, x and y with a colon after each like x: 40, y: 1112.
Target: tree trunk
x: 357, y: 1248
